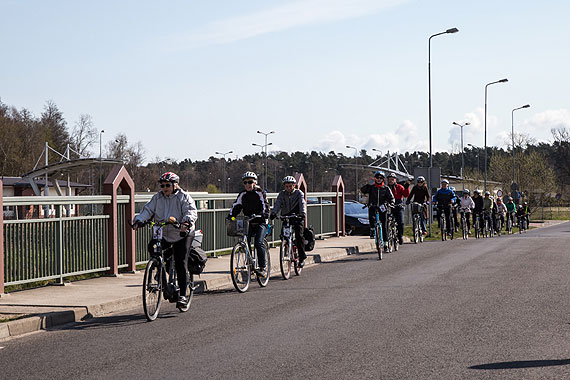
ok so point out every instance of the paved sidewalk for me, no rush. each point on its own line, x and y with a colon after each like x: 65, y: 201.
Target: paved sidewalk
x: 50, y: 306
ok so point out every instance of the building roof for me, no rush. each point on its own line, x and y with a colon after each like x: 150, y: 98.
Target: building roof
x: 18, y: 182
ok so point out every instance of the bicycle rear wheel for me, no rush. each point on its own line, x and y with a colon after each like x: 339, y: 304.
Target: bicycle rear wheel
x: 152, y: 289
x: 240, y: 268
x: 262, y: 281
x: 285, y: 259
x: 298, y: 269
x: 395, y: 240
x: 443, y: 230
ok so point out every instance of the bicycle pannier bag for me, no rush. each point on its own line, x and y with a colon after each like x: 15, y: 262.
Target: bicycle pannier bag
x: 197, y: 260
x: 309, y: 238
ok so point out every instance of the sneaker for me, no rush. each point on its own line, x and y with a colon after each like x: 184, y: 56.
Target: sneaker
x: 182, y: 301
x: 424, y: 233
x: 386, y: 249
x: 261, y: 272
x: 301, y: 263
x: 371, y: 234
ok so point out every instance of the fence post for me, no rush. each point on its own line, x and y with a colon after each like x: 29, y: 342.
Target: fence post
x: 302, y: 185
x: 119, y: 178
x: 1, y: 239
x: 338, y: 187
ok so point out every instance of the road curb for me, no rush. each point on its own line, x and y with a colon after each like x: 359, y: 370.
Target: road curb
x: 46, y: 321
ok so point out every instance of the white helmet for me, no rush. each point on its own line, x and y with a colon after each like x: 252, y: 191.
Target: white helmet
x: 249, y: 175
x: 289, y: 179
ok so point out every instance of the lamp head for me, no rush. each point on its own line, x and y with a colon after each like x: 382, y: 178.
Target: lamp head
x: 526, y: 106
x: 503, y: 80
x: 452, y: 30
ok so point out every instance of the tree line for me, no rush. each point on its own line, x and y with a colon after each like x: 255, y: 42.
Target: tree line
x: 540, y: 167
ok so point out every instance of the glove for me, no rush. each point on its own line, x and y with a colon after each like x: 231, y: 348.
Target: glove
x: 272, y: 216
x: 229, y: 217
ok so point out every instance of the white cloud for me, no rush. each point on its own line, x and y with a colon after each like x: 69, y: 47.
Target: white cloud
x: 403, y: 139
x: 541, y: 123
x: 287, y: 16
x: 474, y: 132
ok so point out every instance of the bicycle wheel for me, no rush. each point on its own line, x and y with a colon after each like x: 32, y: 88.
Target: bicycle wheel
x: 152, y: 289
x: 262, y: 281
x: 378, y: 241
x: 240, y: 267
x: 442, y: 227
x: 451, y: 227
x: 509, y: 226
x: 396, y: 241
x: 477, y: 228
x: 298, y: 269
x: 285, y: 259
x: 416, y: 230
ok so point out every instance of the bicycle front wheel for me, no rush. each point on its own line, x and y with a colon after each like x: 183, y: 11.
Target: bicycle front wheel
x: 443, y: 230
x: 240, y: 268
x: 262, y: 281
x: 152, y: 289
x: 298, y: 269
x: 285, y: 259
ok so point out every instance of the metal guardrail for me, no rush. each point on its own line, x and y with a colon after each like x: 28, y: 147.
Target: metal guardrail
x: 63, y: 246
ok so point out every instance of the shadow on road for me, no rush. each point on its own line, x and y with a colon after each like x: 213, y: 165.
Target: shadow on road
x: 108, y: 322
x: 523, y: 364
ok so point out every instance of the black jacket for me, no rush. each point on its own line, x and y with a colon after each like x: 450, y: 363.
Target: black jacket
x: 419, y: 194
x: 251, y: 203
x: 378, y: 196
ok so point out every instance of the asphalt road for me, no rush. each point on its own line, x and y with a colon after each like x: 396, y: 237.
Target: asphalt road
x: 483, y: 309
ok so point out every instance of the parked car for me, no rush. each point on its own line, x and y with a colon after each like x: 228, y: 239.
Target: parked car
x: 356, y: 218
x: 315, y: 200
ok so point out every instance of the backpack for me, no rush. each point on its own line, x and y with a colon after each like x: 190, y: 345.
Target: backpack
x: 309, y: 238
x: 197, y: 260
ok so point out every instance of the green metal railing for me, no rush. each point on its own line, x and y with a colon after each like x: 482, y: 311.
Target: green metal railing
x: 63, y: 246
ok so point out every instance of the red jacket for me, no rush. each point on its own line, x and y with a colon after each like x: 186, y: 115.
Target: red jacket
x: 400, y: 192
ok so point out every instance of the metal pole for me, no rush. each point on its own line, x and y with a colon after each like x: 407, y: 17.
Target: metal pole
x: 513, y: 135
x: 487, y: 85
x: 101, y: 161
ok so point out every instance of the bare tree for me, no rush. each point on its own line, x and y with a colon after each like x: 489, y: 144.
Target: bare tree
x: 84, y: 135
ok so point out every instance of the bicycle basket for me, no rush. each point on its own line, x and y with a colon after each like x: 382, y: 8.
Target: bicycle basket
x: 237, y: 227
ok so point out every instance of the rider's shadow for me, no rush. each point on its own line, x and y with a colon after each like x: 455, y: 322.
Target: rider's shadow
x: 522, y: 364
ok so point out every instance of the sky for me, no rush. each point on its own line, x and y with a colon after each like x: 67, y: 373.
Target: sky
x: 189, y: 78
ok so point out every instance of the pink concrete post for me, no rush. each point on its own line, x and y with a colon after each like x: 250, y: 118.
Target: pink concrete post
x: 119, y: 178
x: 1, y: 239
x: 302, y: 185
x: 338, y: 187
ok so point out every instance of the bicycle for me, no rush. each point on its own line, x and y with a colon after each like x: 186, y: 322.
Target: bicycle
x: 392, y: 228
x: 445, y: 231
x: 510, y: 219
x: 243, y: 259
x: 465, y: 213
x: 522, y: 223
x: 378, y: 237
x: 487, y: 230
x: 477, y: 225
x: 288, y: 256
x: 160, y: 275
x: 417, y: 209
x: 498, y: 224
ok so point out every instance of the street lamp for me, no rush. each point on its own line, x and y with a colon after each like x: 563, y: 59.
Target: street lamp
x: 513, y: 136
x: 487, y: 85
x: 265, y: 147
x: 462, y: 158
x: 355, y: 171
x: 452, y: 30
x: 225, y: 184
x: 101, y: 161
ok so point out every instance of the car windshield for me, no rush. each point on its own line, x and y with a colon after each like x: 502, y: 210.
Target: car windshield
x: 354, y: 208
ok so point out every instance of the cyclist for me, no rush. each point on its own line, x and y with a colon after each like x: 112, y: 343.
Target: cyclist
x: 444, y: 198
x: 378, y: 194
x: 500, y: 212
x: 420, y: 194
x: 511, y: 210
x: 454, y: 209
x: 292, y: 201
x: 478, y: 209
x: 489, y: 208
x: 253, y: 201
x: 466, y: 204
x: 521, y: 213
x: 526, y: 209
x: 400, y: 192
x: 172, y: 201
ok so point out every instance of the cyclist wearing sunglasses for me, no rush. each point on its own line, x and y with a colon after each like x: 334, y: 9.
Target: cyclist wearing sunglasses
x: 172, y: 201
x: 420, y: 194
x: 378, y: 195
x: 252, y: 201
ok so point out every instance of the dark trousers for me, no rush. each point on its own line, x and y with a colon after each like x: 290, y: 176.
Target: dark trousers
x: 299, y: 240
x: 257, y: 232
x: 372, y: 221
x: 467, y: 219
x: 398, y: 213
x: 447, y: 212
x: 180, y: 249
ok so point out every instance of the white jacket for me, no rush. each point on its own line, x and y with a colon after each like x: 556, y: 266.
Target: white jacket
x: 466, y: 203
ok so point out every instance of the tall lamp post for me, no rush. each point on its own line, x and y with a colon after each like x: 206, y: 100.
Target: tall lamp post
x: 513, y: 136
x: 265, y: 147
x: 101, y: 161
x: 452, y: 30
x: 487, y: 85
x: 225, y: 184
x: 355, y: 172
x: 462, y: 152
